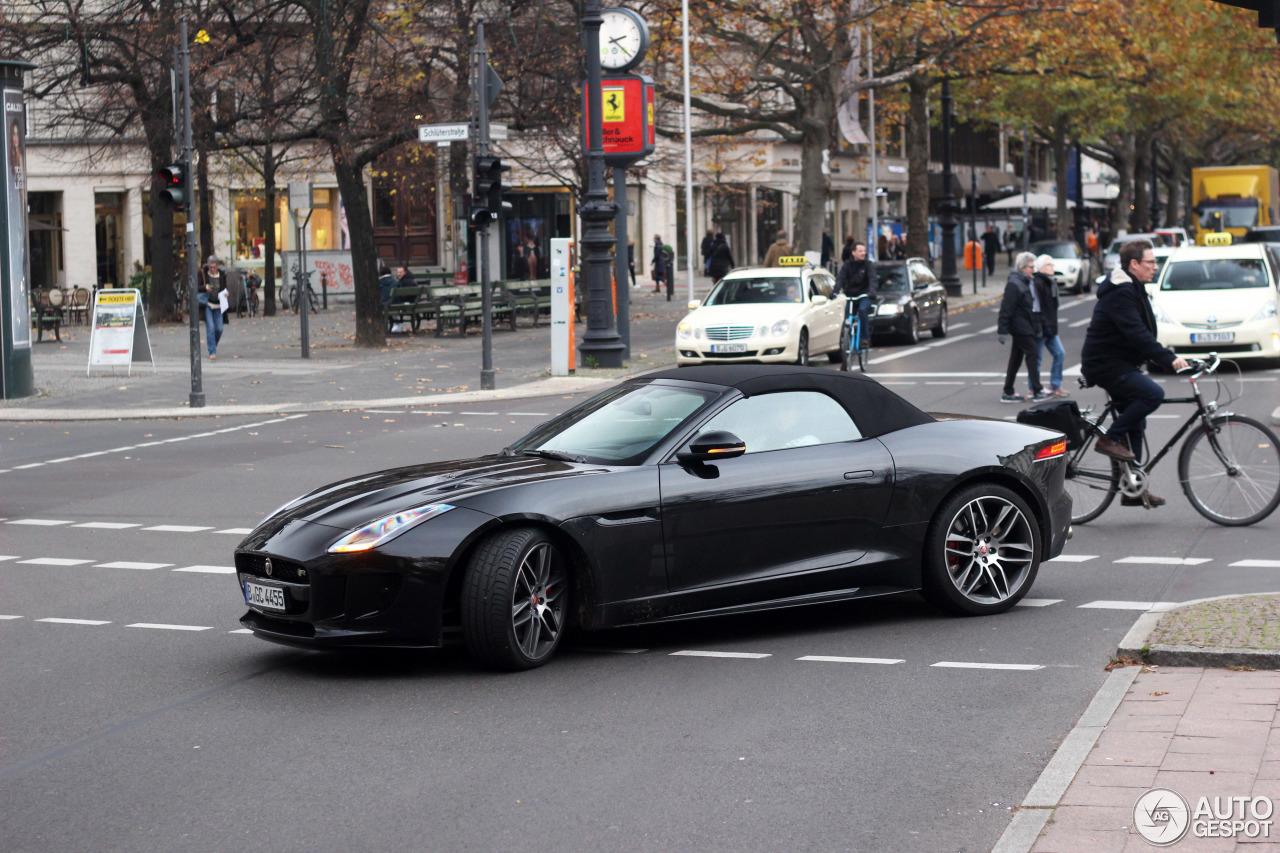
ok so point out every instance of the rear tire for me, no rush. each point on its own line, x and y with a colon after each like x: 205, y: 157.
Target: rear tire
x: 982, y: 551
x: 1092, y: 481
x: 514, y: 602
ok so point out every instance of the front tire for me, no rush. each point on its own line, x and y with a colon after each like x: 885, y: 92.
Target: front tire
x: 940, y: 330
x: 912, y: 335
x: 982, y: 551
x: 802, y: 349
x: 1246, y: 489
x: 514, y: 602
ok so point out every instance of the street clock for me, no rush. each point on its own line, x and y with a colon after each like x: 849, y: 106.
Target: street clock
x: 624, y: 39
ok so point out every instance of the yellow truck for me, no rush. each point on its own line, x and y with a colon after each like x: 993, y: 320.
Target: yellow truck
x: 1233, y: 199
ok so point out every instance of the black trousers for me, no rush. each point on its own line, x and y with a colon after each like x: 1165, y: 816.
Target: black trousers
x: 1023, y: 349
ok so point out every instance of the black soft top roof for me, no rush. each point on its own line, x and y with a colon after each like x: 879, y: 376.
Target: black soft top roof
x: 875, y: 409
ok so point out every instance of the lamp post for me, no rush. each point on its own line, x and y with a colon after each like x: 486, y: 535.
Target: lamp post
x: 947, y: 206
x: 601, y: 346
x: 1155, y: 189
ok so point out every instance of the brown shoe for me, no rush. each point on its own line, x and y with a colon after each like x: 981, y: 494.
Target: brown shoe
x: 1154, y: 500
x: 1108, y: 446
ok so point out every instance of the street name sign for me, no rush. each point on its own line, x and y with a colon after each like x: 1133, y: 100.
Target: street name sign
x: 443, y: 133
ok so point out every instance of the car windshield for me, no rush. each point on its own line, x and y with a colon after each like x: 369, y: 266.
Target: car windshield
x: 752, y: 291
x: 1054, y: 249
x: 892, y: 278
x: 1215, y: 274
x: 1115, y: 247
x: 616, y: 427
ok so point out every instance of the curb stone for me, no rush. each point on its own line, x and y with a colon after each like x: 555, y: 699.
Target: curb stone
x: 1136, y: 645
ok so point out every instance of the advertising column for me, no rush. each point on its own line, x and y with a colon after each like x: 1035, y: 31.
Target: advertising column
x: 16, y: 377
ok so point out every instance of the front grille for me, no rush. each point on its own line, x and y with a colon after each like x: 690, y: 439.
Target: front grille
x: 1221, y: 349
x: 1214, y: 326
x: 729, y: 333
x: 285, y: 571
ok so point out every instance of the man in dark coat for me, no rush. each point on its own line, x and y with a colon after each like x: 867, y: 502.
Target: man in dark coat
x: 857, y: 278
x: 1020, y: 317
x: 658, y: 264
x: 720, y: 261
x: 708, y: 246
x: 1121, y: 338
x: 990, y: 248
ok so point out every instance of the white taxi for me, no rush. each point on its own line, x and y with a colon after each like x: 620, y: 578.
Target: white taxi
x: 1219, y: 299
x: 764, y: 314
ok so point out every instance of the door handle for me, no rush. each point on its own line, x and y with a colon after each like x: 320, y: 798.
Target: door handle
x: 859, y: 475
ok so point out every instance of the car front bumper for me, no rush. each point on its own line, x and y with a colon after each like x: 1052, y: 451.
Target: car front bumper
x: 758, y: 350
x: 1254, y: 339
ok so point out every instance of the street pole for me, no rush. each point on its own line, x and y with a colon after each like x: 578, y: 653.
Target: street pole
x: 1155, y: 189
x: 874, y: 238
x: 973, y: 220
x: 1081, y: 212
x: 304, y: 284
x: 482, y: 229
x: 1026, y: 186
x: 601, y: 346
x: 621, y: 260
x: 947, y: 207
x: 196, y: 398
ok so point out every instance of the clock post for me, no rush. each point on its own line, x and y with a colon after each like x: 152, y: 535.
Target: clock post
x: 601, y: 346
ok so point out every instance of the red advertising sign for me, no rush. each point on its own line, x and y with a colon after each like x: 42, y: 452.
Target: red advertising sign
x: 627, y: 109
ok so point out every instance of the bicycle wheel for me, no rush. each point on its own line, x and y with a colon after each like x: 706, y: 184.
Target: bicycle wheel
x: 862, y: 358
x: 846, y: 354
x: 1092, y: 481
x: 1243, y: 489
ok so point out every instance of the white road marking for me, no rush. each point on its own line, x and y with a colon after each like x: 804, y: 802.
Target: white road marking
x: 1078, y: 323
x: 211, y: 570
x: 529, y: 414
x: 240, y: 631
x: 950, y: 340
x: 74, y: 621
x: 1164, y: 561
x: 28, y: 465
x: 169, y: 627
x: 899, y: 383
x: 900, y: 354
x: 106, y: 525
x: 433, y: 412
x: 960, y: 325
x: 38, y: 522
x: 836, y: 659
x: 1073, y: 558
x: 54, y: 561
x: 238, y: 531
x: 988, y: 330
x: 1157, y: 606
x: 177, y: 528
x: 1038, y: 602
x: 10, y: 617
x: 4, y: 557
x: 479, y: 413
x: 954, y: 664
x: 1256, y: 564
x: 945, y: 375
x: 946, y: 383
x: 693, y: 654
x: 125, y: 564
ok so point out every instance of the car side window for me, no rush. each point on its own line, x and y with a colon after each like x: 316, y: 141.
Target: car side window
x: 921, y: 274
x: 786, y: 419
x: 820, y: 285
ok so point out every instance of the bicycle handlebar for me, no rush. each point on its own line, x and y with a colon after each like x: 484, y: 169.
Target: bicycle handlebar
x: 1199, y: 368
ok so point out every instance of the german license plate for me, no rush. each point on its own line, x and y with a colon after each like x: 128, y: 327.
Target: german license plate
x: 1212, y: 337
x: 728, y: 347
x: 266, y: 597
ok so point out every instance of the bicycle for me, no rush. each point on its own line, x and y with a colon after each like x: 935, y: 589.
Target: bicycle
x: 854, y: 340
x: 293, y: 297
x: 1228, y: 467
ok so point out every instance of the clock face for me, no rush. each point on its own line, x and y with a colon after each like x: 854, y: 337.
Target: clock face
x: 624, y: 39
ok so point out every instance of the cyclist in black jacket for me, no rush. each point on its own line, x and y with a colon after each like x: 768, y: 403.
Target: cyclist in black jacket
x: 857, y: 277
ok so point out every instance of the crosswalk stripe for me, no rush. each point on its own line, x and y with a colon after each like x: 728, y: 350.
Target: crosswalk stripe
x: 54, y: 561
x: 163, y: 627
x: 1165, y: 561
x: 38, y: 522
x: 238, y: 531
x: 177, y: 528
x: 74, y: 621
x: 1038, y: 602
x: 952, y: 664
x: 106, y: 525
x: 1256, y: 564
x: 1073, y: 558
x: 212, y: 570
x: 696, y: 654
x: 125, y: 564
x: 1157, y: 606
x: 837, y: 659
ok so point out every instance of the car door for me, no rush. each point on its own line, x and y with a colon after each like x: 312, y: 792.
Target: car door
x: 809, y: 494
x: 825, y: 328
x: 927, y: 293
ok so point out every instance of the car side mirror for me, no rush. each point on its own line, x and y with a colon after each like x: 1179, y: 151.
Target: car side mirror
x: 711, y: 446
x: 819, y: 299
x: 695, y: 304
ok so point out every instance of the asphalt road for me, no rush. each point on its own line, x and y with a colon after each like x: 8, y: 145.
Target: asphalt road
x: 144, y: 721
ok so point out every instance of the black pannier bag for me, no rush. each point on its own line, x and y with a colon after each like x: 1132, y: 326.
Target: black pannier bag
x: 1060, y: 415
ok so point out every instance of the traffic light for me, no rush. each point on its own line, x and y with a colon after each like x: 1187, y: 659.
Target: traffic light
x: 488, y: 190
x: 173, y: 184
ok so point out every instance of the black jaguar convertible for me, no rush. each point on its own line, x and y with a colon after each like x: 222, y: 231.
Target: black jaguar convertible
x: 681, y: 494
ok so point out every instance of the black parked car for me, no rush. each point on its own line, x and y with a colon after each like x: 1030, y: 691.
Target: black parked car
x: 693, y: 492
x: 911, y: 300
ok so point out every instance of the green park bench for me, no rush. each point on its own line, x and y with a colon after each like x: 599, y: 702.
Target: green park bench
x: 461, y: 306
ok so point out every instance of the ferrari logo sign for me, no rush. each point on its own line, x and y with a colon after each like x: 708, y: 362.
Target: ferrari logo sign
x: 615, y: 105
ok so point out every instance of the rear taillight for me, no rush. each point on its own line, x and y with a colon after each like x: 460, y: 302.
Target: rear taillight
x: 1052, y: 451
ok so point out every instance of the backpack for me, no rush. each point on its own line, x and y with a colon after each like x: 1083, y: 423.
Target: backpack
x: 668, y: 253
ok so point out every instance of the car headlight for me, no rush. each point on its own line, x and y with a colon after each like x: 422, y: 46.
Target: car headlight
x: 1267, y: 311
x: 1161, y: 317
x: 889, y: 308
x: 684, y: 330
x: 1071, y: 266
x: 780, y: 328
x: 385, y: 529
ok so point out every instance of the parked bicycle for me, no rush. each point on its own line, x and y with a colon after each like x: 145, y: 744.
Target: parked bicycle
x: 250, y: 301
x: 1229, y: 464
x: 293, y: 297
x: 855, y: 339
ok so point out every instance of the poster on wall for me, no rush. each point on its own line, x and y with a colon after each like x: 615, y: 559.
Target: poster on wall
x: 334, y: 265
x: 119, y: 330
x: 15, y: 204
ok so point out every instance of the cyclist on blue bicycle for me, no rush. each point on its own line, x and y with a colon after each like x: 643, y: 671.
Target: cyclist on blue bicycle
x: 857, y: 278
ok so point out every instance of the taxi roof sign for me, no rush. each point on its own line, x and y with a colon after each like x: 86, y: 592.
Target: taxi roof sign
x: 1218, y: 238
x: 792, y: 261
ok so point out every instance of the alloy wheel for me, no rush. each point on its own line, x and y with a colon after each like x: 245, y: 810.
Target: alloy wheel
x: 990, y: 550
